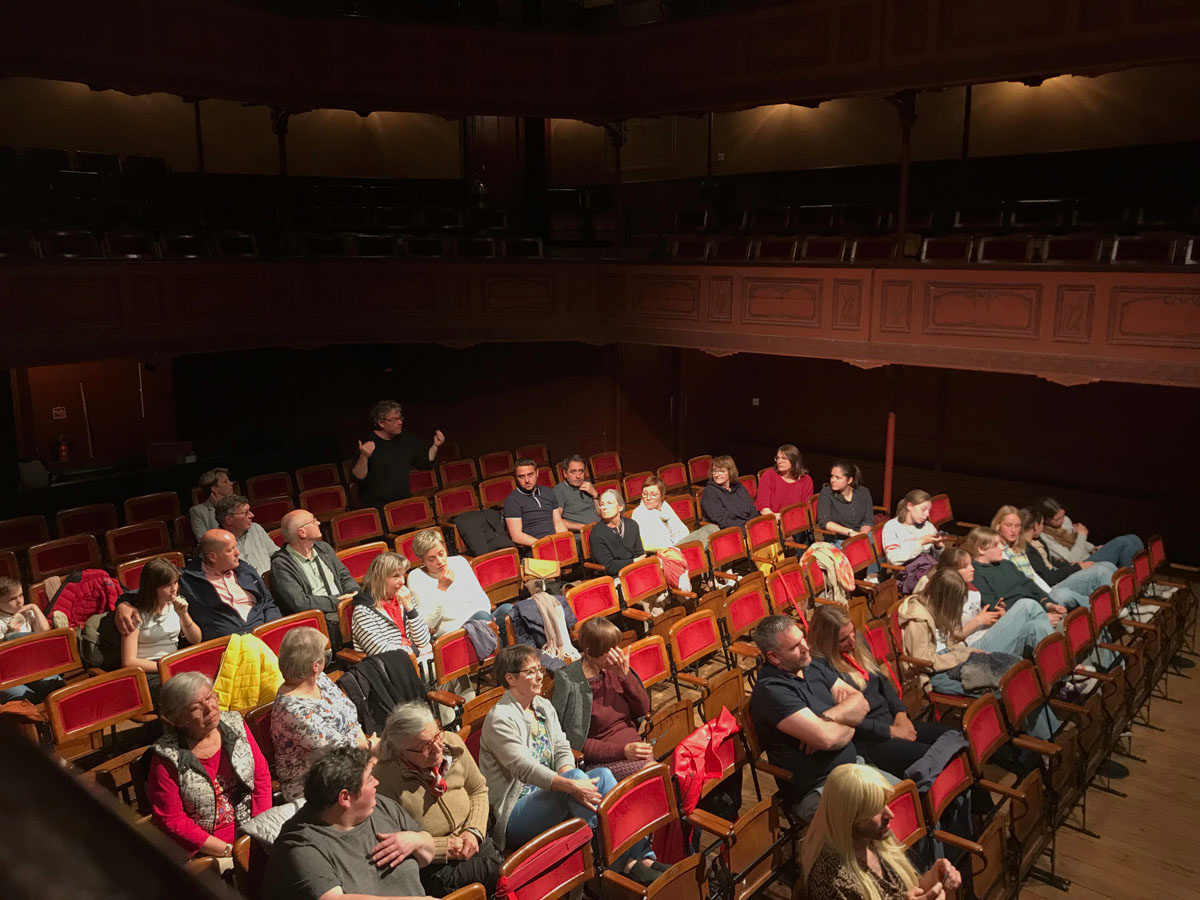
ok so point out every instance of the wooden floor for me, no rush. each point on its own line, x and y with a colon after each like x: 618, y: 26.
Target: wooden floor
x: 1149, y: 845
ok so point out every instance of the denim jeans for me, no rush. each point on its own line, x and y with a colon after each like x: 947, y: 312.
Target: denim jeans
x: 34, y: 691
x: 1018, y: 631
x: 1119, y: 551
x: 1077, y: 589
x: 543, y: 809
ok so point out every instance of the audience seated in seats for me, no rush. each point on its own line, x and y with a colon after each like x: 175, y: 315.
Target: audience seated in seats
x: 886, y: 737
x: 1068, y: 540
x: 616, y: 541
x: 844, y: 506
x: 224, y: 595
x: 910, y: 540
x: 850, y: 853
x: 576, y: 495
x: 533, y: 782
x: 600, y: 700
x: 726, y: 502
x: 659, y: 524
x: 445, y: 588
x: 207, y: 777
x: 346, y: 840
x: 384, y: 616
x: 1079, y: 578
x: 434, y: 777
x: 804, y: 714
x: 203, y: 516
x: 531, y: 511
x: 18, y: 619
x: 998, y: 579
x: 785, y: 485
x: 1007, y: 523
x: 306, y: 572
x: 254, y: 544
x: 387, y: 454
x: 164, y: 616
x: 310, y: 713
x: 932, y: 628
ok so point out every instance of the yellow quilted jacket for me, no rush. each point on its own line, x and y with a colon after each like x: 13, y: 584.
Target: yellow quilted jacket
x: 249, y: 674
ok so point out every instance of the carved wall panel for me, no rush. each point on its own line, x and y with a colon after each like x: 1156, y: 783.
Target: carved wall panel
x: 1151, y: 317
x: 236, y: 294
x: 782, y: 301
x: 387, y: 294
x: 1073, y: 310
x: 612, y: 297
x: 721, y: 304
x: 516, y: 294
x: 664, y: 297
x: 847, y: 305
x: 49, y: 304
x: 982, y: 309
x: 896, y: 306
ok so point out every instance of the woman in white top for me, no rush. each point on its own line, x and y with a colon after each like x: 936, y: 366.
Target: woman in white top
x: 659, y: 524
x: 910, y: 540
x: 975, y: 619
x: 165, y: 616
x: 445, y: 587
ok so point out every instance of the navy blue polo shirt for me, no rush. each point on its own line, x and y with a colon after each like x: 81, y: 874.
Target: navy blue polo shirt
x: 776, y: 696
x: 535, y: 510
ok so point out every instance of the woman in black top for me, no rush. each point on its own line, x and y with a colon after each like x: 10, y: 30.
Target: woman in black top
x: 615, y: 540
x: 844, y: 506
x: 886, y: 737
x: 726, y: 502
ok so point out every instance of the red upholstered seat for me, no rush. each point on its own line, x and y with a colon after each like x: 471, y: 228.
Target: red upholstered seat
x: 460, y: 471
x: 23, y: 532
x: 355, y: 527
x: 274, y: 484
x: 270, y: 512
x: 358, y: 558
x: 631, y: 485
x: 130, y: 573
x: 93, y: 704
x: 499, y: 574
x: 146, y: 539
x: 324, y: 502
x: 204, y: 657
x: 272, y: 633
x: 37, y: 656
x: 551, y: 865
x: 494, y: 491
x: 162, y: 507
x: 537, y: 452
x: 674, y: 476
x: 422, y: 482
x: 606, y: 465
x: 405, y: 515
x: 493, y: 465
x: 63, y: 555
x: 94, y: 519
x: 452, y: 501
x: 324, y: 475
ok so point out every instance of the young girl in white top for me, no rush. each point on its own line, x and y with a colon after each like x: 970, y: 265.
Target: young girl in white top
x: 910, y: 539
x: 164, y: 617
x: 16, y: 616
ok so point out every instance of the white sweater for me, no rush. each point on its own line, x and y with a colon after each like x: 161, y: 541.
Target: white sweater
x: 660, y: 528
x: 445, y: 611
x: 903, y: 542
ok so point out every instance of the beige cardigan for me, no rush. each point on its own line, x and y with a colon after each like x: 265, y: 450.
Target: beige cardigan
x: 465, y: 802
x: 920, y: 638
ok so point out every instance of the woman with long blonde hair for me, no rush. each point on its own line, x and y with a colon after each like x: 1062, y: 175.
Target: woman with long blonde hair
x: 886, y: 737
x: 850, y: 852
x: 385, y: 615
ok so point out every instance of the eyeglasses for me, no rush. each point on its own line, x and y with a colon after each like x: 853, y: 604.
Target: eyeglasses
x: 310, y: 522
x: 533, y: 672
x: 430, y: 744
x: 245, y: 512
x: 392, y: 419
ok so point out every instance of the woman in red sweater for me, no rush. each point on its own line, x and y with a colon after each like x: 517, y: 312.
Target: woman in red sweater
x: 787, y: 484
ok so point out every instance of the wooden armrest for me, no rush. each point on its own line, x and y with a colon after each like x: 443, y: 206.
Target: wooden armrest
x: 578, y: 756
x: 1141, y: 626
x: 638, y: 615
x: 351, y: 656
x: 958, y: 701
x: 623, y: 884
x: 728, y: 576
x: 1119, y: 648
x: 593, y: 567
x: 967, y: 525
x: 882, y: 509
x: 891, y: 568
x: 955, y: 841
x: 1099, y: 676
x: 687, y: 595
x: 1153, y: 601
x: 819, y: 531
x: 1183, y: 568
x: 1037, y: 745
x: 1064, y: 706
x: 774, y: 771
x: 714, y: 825
x: 869, y: 586
x: 445, y: 698
x: 762, y: 560
x: 743, y: 648
x: 1003, y: 790
x: 794, y: 545
x: 691, y: 679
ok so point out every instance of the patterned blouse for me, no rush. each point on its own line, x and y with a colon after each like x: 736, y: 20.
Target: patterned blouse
x: 300, y: 726
x: 539, y: 748
x: 829, y: 881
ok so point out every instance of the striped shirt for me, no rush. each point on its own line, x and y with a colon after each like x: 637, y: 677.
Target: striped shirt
x: 374, y: 631
x: 1021, y: 561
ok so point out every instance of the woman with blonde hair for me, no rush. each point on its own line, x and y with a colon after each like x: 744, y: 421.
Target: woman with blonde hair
x: 446, y: 588
x: 385, y: 614
x: 886, y: 737
x: 726, y: 502
x: 850, y: 852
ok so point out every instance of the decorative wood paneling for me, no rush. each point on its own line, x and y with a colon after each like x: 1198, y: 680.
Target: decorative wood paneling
x: 378, y: 294
x: 896, y: 305
x: 979, y: 309
x: 782, y: 301
x: 721, y: 307
x: 612, y: 297
x: 70, y: 302
x: 237, y: 295
x: 847, y: 304
x: 455, y: 293
x: 505, y: 295
x: 1155, y: 317
x: 1073, y: 309
x: 663, y: 297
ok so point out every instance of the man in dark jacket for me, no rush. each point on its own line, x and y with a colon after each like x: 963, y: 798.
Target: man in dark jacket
x: 306, y: 572
x: 224, y: 595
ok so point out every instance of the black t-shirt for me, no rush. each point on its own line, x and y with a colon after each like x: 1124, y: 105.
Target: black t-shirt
x: 776, y: 696
x: 534, y: 508
x: 389, y: 465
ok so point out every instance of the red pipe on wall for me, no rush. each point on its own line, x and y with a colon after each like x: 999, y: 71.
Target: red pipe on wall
x: 889, y: 455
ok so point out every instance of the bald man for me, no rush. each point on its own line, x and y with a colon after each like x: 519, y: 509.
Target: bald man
x: 306, y: 572
x: 225, y: 595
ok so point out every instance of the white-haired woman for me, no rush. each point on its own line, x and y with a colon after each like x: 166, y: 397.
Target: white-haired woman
x: 207, y: 777
x: 445, y: 587
x: 431, y: 774
x: 850, y: 853
x: 385, y: 616
x: 616, y: 541
x: 310, y: 712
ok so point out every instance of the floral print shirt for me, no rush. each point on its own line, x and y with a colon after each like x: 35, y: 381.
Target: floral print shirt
x: 300, y: 726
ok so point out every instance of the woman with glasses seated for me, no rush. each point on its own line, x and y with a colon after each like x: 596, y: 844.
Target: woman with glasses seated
x: 432, y: 775
x: 533, y: 782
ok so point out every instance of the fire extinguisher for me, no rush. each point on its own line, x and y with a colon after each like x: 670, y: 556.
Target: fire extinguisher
x: 64, y: 448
